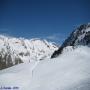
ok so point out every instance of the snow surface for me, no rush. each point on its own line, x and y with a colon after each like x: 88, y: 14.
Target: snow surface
x: 26, y: 49
x: 70, y: 71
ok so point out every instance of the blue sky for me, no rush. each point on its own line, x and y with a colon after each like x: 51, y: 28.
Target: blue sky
x: 49, y: 19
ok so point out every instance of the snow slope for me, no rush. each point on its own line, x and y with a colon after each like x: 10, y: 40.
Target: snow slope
x: 17, y: 50
x: 70, y: 71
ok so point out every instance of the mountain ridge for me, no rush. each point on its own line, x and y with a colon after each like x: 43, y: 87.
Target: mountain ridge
x: 18, y: 50
x: 80, y: 36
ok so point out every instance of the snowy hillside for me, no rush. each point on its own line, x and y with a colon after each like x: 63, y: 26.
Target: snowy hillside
x: 70, y: 71
x: 80, y: 36
x: 18, y: 50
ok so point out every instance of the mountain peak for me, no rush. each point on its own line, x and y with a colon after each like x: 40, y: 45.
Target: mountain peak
x: 80, y: 36
x: 17, y: 50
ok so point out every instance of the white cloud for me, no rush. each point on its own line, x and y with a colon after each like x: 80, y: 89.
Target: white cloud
x: 56, y: 37
x: 53, y: 37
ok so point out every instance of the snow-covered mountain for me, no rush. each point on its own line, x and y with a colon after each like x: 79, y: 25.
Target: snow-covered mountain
x: 18, y: 50
x: 80, y: 36
x: 69, y: 71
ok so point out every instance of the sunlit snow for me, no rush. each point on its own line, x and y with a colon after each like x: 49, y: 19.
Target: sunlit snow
x: 70, y: 71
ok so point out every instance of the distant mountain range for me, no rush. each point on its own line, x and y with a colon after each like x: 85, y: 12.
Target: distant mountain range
x: 18, y: 50
x: 80, y: 36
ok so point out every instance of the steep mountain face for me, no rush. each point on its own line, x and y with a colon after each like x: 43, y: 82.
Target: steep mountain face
x: 18, y: 50
x: 80, y: 36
